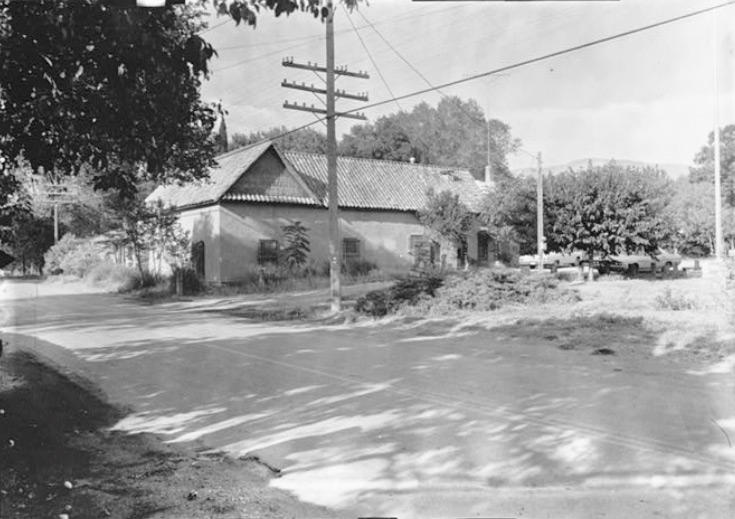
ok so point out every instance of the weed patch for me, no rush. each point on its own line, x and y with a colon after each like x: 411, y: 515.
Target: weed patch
x: 494, y: 289
x: 478, y: 291
x: 379, y: 303
x: 671, y: 300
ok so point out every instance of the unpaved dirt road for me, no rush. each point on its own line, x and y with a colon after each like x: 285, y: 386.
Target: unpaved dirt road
x: 404, y: 421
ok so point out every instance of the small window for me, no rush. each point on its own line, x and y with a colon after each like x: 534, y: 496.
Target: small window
x: 423, y: 250
x: 351, y: 249
x: 267, y: 252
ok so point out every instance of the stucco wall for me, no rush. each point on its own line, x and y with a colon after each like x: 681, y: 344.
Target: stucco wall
x: 203, y: 224
x: 384, y: 235
x: 231, y: 232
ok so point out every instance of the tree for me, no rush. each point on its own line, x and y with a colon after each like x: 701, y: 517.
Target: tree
x: 454, y: 134
x: 692, y: 211
x: 294, y: 254
x: 307, y: 140
x: 509, y: 212
x: 115, y: 88
x: 246, y: 12
x: 609, y: 210
x: 30, y: 238
x: 387, y: 139
x: 446, y: 216
x: 703, y: 170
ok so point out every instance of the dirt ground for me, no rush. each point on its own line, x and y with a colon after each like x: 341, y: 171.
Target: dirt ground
x: 58, y: 458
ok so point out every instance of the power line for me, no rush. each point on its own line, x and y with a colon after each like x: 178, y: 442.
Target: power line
x: 357, y: 33
x: 208, y: 29
x: 519, y: 64
x: 553, y: 54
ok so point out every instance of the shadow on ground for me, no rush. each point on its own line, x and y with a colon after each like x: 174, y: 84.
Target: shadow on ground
x: 369, y: 416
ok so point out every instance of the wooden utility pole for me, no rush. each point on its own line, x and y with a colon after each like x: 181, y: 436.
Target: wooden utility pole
x: 334, y: 245
x: 539, y: 215
x: 719, y: 252
x: 56, y: 223
x: 331, y: 114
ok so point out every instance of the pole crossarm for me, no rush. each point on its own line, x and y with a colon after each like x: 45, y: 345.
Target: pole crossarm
x: 338, y: 71
x: 304, y: 108
x: 313, y: 89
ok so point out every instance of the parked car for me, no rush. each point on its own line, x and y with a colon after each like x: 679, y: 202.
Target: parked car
x: 553, y: 259
x: 640, y: 262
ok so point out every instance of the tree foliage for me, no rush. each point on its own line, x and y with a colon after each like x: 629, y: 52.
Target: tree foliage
x: 116, y: 88
x: 704, y: 160
x: 29, y: 239
x: 295, y: 253
x: 608, y: 210
x: 307, y: 140
x: 692, y: 211
x: 509, y: 212
x: 446, y: 216
x: 454, y: 134
x: 246, y: 12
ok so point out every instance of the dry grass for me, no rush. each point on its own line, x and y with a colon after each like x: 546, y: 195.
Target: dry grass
x: 625, y: 315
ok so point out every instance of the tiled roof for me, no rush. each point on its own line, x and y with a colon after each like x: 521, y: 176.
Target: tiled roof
x: 230, y: 167
x: 363, y: 183
x: 382, y: 184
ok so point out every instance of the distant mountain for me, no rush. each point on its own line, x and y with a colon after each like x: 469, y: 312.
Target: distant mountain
x: 674, y: 170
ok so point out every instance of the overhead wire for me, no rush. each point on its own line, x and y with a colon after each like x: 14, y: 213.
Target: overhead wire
x: 372, y: 60
x: 551, y: 55
x: 213, y: 27
x: 526, y: 62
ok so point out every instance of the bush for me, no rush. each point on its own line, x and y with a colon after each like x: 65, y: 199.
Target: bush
x: 480, y: 290
x: 357, y: 268
x: 73, y: 256
x: 111, y: 274
x: 670, y: 300
x: 137, y: 282
x: 379, y: 303
x: 56, y: 254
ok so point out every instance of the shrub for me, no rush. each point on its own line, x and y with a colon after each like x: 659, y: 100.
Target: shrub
x: 359, y: 267
x: 486, y: 290
x: 113, y: 275
x: 56, y: 254
x: 294, y: 254
x: 72, y: 255
x: 81, y: 260
x: 138, y: 282
x: 670, y: 300
x: 379, y: 303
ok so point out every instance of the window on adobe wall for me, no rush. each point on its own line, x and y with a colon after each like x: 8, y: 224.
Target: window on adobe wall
x: 423, y: 250
x: 350, y: 249
x: 267, y: 252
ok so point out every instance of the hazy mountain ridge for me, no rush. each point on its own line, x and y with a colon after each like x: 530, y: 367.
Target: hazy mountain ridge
x: 674, y: 170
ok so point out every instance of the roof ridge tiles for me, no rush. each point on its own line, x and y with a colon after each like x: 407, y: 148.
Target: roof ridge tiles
x: 366, y: 159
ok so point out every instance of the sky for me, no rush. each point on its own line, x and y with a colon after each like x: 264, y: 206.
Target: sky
x: 649, y: 96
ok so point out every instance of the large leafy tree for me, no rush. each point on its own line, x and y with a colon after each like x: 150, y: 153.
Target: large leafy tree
x: 307, y: 140
x: 115, y: 88
x: 446, y: 217
x: 387, y: 139
x: 453, y: 134
x: 692, y: 211
x: 609, y: 210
